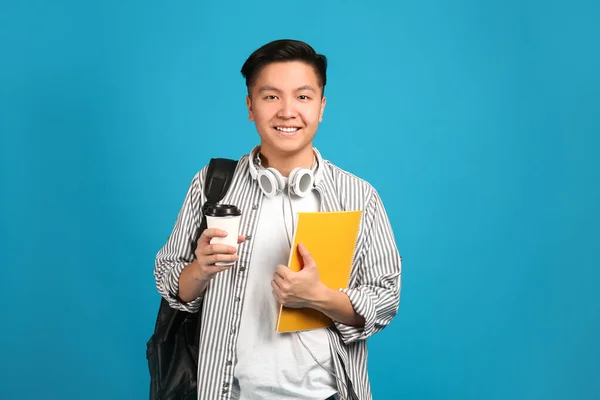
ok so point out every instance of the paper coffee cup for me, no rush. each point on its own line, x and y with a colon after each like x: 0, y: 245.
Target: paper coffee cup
x: 227, y: 218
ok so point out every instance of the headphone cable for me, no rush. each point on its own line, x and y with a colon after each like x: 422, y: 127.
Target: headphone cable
x: 290, y: 242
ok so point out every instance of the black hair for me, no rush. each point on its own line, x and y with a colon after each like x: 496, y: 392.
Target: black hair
x: 284, y: 50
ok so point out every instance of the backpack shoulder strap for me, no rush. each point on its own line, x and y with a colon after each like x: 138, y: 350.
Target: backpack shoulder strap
x: 218, y: 179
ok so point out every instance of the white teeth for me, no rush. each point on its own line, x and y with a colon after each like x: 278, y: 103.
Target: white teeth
x: 288, y: 130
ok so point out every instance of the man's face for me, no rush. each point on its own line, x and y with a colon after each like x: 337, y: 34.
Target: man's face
x: 287, y: 106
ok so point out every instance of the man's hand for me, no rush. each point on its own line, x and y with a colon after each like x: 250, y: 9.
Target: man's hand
x: 208, y: 254
x: 195, y: 276
x: 305, y: 289
x: 298, y: 289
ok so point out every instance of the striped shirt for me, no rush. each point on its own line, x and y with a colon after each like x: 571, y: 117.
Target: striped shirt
x: 373, y: 290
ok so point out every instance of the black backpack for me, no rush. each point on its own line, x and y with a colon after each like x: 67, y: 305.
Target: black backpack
x: 172, y: 351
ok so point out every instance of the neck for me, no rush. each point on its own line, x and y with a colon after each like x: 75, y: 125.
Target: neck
x: 286, y: 162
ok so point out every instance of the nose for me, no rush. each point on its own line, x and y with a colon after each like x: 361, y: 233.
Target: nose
x: 287, y: 109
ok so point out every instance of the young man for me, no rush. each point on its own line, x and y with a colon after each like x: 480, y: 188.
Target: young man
x: 241, y: 355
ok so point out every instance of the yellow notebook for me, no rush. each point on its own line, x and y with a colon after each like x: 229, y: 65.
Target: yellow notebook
x: 330, y: 237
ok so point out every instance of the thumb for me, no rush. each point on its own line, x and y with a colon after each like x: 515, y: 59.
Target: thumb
x: 309, y: 262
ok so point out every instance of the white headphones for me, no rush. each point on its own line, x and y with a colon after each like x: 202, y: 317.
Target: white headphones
x: 301, y: 180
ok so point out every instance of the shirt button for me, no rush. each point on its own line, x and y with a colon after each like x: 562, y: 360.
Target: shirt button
x: 228, y: 363
x: 224, y: 390
x: 248, y: 237
x: 232, y: 331
x: 255, y: 207
x: 236, y: 299
x: 242, y: 269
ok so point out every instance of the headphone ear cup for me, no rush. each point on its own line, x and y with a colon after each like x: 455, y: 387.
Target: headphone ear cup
x: 301, y: 181
x: 270, y: 181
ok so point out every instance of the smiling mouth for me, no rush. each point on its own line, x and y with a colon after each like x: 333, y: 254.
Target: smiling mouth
x: 286, y: 129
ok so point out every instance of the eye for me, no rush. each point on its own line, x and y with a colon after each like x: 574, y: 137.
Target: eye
x: 271, y: 97
x: 303, y: 97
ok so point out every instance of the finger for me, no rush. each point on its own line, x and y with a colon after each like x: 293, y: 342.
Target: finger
x: 278, y: 279
x: 306, y: 256
x: 276, y: 291
x: 280, y: 287
x: 241, y: 239
x: 217, y: 248
x: 282, y: 271
x: 275, y: 286
x: 277, y: 298
x: 212, y: 270
x: 215, y: 258
x: 219, y: 268
x: 210, y: 233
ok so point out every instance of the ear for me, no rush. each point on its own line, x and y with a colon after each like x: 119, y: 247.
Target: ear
x: 323, y: 102
x: 249, y: 106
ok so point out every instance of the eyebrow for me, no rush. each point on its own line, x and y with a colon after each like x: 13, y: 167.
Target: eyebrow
x: 268, y: 88
x: 306, y: 87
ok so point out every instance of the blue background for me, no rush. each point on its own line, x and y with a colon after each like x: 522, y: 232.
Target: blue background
x: 478, y: 123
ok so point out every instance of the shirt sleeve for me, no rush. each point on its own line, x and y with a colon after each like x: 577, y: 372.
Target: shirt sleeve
x: 376, y: 293
x: 178, y: 250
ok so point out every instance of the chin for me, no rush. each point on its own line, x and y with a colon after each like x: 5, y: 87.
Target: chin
x: 286, y: 143
x: 287, y: 147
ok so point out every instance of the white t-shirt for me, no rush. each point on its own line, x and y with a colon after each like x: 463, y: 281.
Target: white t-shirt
x: 272, y: 365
